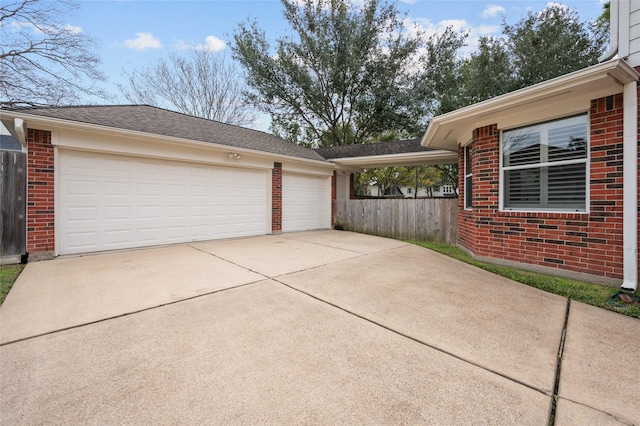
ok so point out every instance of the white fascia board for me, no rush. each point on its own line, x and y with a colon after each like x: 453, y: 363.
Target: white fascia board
x: 60, y: 123
x: 406, y: 159
x: 448, y: 130
x: 307, y: 169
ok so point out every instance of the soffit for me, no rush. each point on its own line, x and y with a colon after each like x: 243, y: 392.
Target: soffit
x: 562, y: 96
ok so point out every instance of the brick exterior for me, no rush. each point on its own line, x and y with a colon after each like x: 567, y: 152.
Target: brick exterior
x: 40, y: 194
x: 276, y: 197
x: 580, y: 242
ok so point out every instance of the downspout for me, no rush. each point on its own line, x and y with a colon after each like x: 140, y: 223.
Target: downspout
x: 614, y: 19
x: 630, y: 188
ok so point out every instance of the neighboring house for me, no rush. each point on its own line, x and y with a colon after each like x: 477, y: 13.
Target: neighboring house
x: 409, y: 192
x: 549, y: 174
x: 9, y: 143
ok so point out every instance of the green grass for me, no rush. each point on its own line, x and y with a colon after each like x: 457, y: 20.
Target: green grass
x: 8, y: 275
x: 592, y: 294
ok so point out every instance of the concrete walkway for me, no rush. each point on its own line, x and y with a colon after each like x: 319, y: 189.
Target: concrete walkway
x: 322, y: 327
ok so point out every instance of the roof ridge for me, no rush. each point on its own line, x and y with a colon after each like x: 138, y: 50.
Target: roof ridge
x: 18, y: 108
x: 161, y: 121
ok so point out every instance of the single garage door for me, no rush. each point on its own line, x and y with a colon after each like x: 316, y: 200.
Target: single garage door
x: 306, y: 202
x: 109, y: 202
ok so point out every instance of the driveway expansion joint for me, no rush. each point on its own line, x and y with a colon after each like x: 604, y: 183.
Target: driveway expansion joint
x: 421, y: 342
x: 556, y: 386
x: 616, y: 418
x: 285, y: 237
x: 127, y: 314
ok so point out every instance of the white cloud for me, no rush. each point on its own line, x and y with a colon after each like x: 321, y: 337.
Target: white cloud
x: 409, y: 1
x: 143, y: 41
x: 182, y: 45
x: 73, y: 29
x: 429, y: 28
x: 17, y: 26
x: 212, y: 44
x: 492, y: 11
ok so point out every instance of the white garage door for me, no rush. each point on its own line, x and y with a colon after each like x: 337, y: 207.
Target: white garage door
x: 306, y: 202
x: 109, y: 202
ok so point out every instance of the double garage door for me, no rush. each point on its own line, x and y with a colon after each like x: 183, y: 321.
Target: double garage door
x: 109, y: 202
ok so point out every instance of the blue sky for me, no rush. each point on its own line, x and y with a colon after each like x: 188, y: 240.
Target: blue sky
x: 132, y: 34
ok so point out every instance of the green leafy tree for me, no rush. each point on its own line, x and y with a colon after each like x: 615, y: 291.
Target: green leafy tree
x: 425, y: 177
x: 415, y: 177
x: 601, y: 26
x: 550, y: 43
x: 347, y: 73
x: 383, y: 178
x: 539, y: 47
x: 487, y: 73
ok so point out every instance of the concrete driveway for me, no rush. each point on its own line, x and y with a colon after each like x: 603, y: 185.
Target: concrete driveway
x: 323, y: 327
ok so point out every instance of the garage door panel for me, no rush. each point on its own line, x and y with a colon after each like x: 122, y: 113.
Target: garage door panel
x: 127, y: 202
x: 117, y: 238
x: 305, y: 202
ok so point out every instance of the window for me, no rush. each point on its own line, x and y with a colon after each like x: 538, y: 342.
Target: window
x: 544, y: 167
x: 468, y: 179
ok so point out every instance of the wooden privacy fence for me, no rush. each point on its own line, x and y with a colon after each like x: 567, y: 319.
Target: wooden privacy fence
x: 422, y: 219
x: 13, y: 191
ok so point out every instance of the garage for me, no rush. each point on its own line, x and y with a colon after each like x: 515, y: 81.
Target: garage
x: 108, y: 202
x: 306, y: 202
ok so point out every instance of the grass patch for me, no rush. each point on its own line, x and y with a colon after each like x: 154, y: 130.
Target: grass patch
x: 8, y: 275
x: 592, y: 294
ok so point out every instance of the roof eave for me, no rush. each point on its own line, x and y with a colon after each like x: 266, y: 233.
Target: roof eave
x: 448, y: 130
x: 406, y: 159
x: 39, y: 119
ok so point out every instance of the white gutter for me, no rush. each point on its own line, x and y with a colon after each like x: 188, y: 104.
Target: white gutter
x: 59, y: 122
x: 630, y: 188
x: 405, y: 159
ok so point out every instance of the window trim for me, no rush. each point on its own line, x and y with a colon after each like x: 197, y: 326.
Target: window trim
x: 586, y: 161
x: 468, y: 177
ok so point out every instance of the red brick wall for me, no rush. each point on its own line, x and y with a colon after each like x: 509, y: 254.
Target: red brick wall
x: 276, y: 197
x: 580, y: 242
x: 40, y: 192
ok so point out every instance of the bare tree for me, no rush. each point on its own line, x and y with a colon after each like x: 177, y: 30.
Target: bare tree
x: 202, y: 83
x: 43, y: 60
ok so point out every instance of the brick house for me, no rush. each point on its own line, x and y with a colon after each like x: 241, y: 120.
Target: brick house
x: 548, y: 175
x: 103, y: 178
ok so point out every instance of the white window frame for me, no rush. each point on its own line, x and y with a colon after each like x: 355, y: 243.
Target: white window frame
x: 586, y: 161
x: 468, y: 177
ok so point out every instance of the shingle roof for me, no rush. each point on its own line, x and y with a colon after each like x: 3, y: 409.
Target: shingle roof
x: 373, y: 149
x: 158, y: 121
